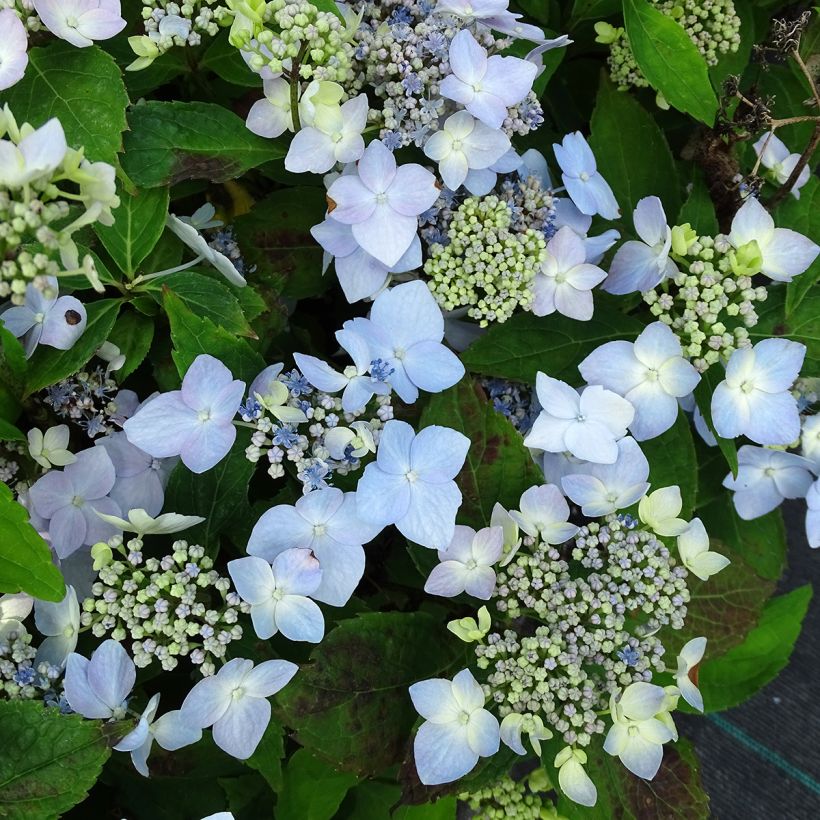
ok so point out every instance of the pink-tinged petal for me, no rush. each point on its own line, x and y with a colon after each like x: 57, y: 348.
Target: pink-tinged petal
x: 253, y: 578
x: 241, y: 727
x: 300, y: 619
x: 650, y: 221
x: 354, y: 201
x: 92, y: 474
x: 576, y: 304
x: 100, y: 24
x: 431, y: 516
x: 480, y: 583
x: 269, y: 677
x: 297, y: 572
x: 448, y: 579
x: 78, y: 693
x: 161, y: 427
x: 386, y: 234
x: 442, y: 753
x: 111, y: 673
x: 543, y: 288
x: 67, y: 530
x: 566, y: 249
x: 413, y: 191
x: 207, y: 445
x: 468, y: 60
x: 205, y: 378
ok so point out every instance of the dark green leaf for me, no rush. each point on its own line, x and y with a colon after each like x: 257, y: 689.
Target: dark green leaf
x: 735, y: 62
x: 312, y: 790
x: 555, y: 345
x: 734, y: 677
x: 267, y: 759
x: 132, y: 334
x: 802, y: 215
x: 48, y: 366
x: 8, y: 432
x: 13, y: 367
x: 698, y: 210
x: 49, y: 760
x: 669, y: 60
x: 67, y: 82
x: 499, y: 467
x: 25, y: 559
x: 443, y: 809
x: 593, y: 10
x: 276, y: 238
x: 226, y: 62
x: 703, y: 397
x: 619, y: 123
x: 138, y: 225
x: 350, y: 704
x: 193, y: 335
x: 169, y: 142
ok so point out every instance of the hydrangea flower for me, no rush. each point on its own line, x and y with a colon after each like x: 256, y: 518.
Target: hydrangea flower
x: 810, y: 441
x: 776, y: 157
x: 98, y: 687
x: 587, y: 188
x: 693, y: 546
x: 813, y: 515
x: 779, y: 253
x: 81, y: 22
x: 14, y: 608
x: 36, y: 155
x: 334, y: 137
x: 327, y: 522
x: 568, y: 215
x: 641, y: 266
x: 70, y: 500
x: 234, y: 702
x: 637, y: 736
x: 457, y: 729
x: 544, y: 515
x: 765, y: 478
x: 382, y: 202
x: 44, y: 317
x: 195, y: 422
x: 13, y: 49
x: 50, y: 449
x: 140, y: 522
x: 586, y: 424
x: 565, y: 281
x: 463, y: 144
x: 404, y: 331
x: 754, y: 399
x: 495, y: 15
x: 467, y: 564
x: 171, y: 731
x: 271, y: 116
x: 660, y: 510
x: 278, y: 594
x: 485, y: 86
x: 411, y: 482
x: 602, y: 489
x: 689, y: 657
x: 141, y: 478
x: 572, y: 777
x: 60, y: 624
x: 650, y: 373
x: 186, y: 231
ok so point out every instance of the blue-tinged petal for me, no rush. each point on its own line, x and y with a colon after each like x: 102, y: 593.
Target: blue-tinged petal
x: 382, y: 498
x: 437, y: 453
x: 81, y: 698
x: 431, y: 515
x: 442, y: 753
x: 320, y: 374
x: 280, y: 528
x: 253, y: 578
x: 483, y: 733
x: 434, y: 700
x: 634, y: 268
x: 241, y: 727
x: 111, y: 673
x: 207, y: 445
x: 773, y: 418
x: 777, y: 364
x: 269, y: 677
x: 300, y: 619
x: 297, y: 572
x: 162, y: 426
x: 395, y: 447
x: 432, y: 367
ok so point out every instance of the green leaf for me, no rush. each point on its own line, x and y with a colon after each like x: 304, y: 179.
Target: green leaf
x: 275, y: 236
x: 669, y: 60
x: 205, y: 296
x: 8, y: 432
x: 593, y: 10
x: 132, y: 334
x: 169, y: 142
x: 761, y: 542
x: 193, y: 335
x: 48, y: 366
x: 619, y: 123
x: 25, y: 559
x: 138, y: 224
x: 49, y: 760
x: 555, y: 345
x: 672, y: 461
x: 13, y: 367
x: 312, y: 790
x: 267, y: 759
x: 699, y: 210
x: 741, y: 672
x: 226, y: 62
x: 217, y: 494
x: 802, y: 215
x: 499, y: 467
x: 350, y: 704
x: 443, y: 809
x: 703, y: 398
x: 675, y: 793
x: 67, y: 82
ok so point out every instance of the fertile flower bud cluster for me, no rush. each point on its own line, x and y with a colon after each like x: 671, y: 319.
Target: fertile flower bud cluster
x: 20, y: 678
x: 169, y: 608
x: 9, y: 465
x: 305, y: 444
x: 712, y: 25
x: 169, y: 24
x: 514, y: 401
x: 511, y: 798
x: 491, y: 253
x: 588, y: 643
x: 710, y: 305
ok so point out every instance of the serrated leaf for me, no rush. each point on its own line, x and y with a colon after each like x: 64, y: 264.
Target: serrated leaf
x: 619, y: 123
x: 49, y: 760
x: 699, y: 210
x: 25, y: 558
x: 350, y: 704
x: 132, y: 333
x: 64, y: 81
x: 744, y: 670
x: 169, y: 142
x: 48, y: 366
x: 498, y: 467
x: 669, y: 60
x: 555, y: 345
x: 312, y: 790
x: 193, y: 335
x: 138, y: 224
x: 206, y: 297
x: 703, y: 398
